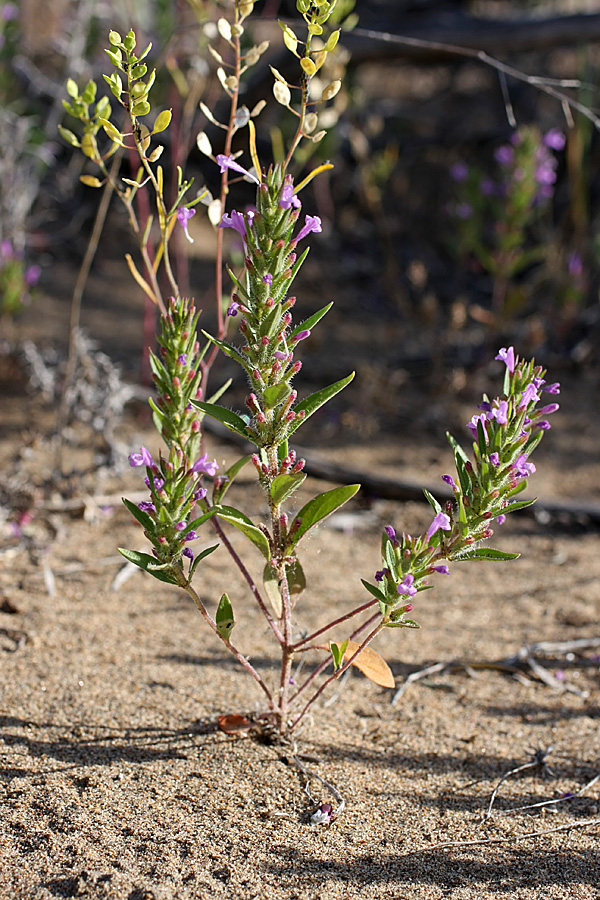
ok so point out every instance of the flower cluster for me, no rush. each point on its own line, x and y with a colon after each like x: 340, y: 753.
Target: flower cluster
x: 175, y: 483
x: 271, y: 264
x: 506, y: 431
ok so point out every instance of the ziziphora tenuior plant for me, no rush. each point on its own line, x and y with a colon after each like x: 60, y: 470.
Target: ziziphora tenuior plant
x: 181, y: 500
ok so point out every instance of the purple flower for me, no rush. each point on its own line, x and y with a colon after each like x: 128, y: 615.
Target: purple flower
x: 544, y: 425
x: 301, y: 336
x: 501, y: 413
x: 32, y: 275
x: 501, y: 519
x: 147, y: 506
x: 552, y: 388
x: 504, y: 155
x: 189, y: 553
x: 545, y: 173
x: 143, y: 458
x: 522, y: 468
x: 236, y: 220
x: 554, y: 139
x: 180, y: 526
x: 311, y: 223
x: 441, y: 521
x: 487, y: 187
x: 495, y: 459
x: 381, y: 574
x: 288, y: 198
x: 183, y: 216
x: 158, y: 483
x: 200, y: 494
x: 472, y: 425
x: 190, y: 536
x: 443, y: 570
x: 391, y: 532
x: 279, y: 354
x: 226, y: 162
x: 204, y: 467
x: 406, y: 587
x: 182, y: 358
x: 546, y: 410
x: 459, y: 172
x: 233, y: 309
x: 6, y: 249
x: 450, y: 480
x: 530, y: 395
x: 507, y: 355
x: 268, y: 279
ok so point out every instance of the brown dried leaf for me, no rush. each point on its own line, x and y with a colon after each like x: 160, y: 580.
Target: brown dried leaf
x: 371, y: 664
x: 234, y: 724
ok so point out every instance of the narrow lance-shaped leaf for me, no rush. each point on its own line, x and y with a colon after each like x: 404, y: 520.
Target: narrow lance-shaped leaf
x: 319, y: 508
x: 310, y: 323
x: 149, y: 565
x: 200, y: 557
x: 228, y: 418
x: 284, y: 485
x: 485, y: 553
x: 247, y: 527
x: 142, y: 517
x: 312, y: 403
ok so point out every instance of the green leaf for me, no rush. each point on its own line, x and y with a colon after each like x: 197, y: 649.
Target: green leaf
x: 283, y: 486
x: 485, y: 553
x: 310, y: 323
x: 246, y: 526
x: 200, y: 557
x: 228, y: 350
x: 311, y: 404
x: 276, y: 394
x: 149, y: 565
x: 379, y: 595
x: 432, y: 501
x: 228, y: 418
x: 72, y: 89
x: 130, y: 41
x: 337, y: 652
x: 143, y: 518
x: 319, y: 508
x: 196, y: 523
x: 224, y: 618
x: 519, y: 504
x: 227, y: 479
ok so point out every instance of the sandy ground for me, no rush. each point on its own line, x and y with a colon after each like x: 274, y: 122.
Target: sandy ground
x: 115, y: 781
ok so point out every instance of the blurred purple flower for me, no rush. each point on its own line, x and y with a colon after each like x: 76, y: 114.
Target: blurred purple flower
x: 464, y: 210
x: 32, y: 275
x: 575, y: 264
x: 236, y: 221
x: 459, y: 172
x: 504, y: 155
x: 226, y: 162
x: 183, y: 216
x: 554, y: 139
